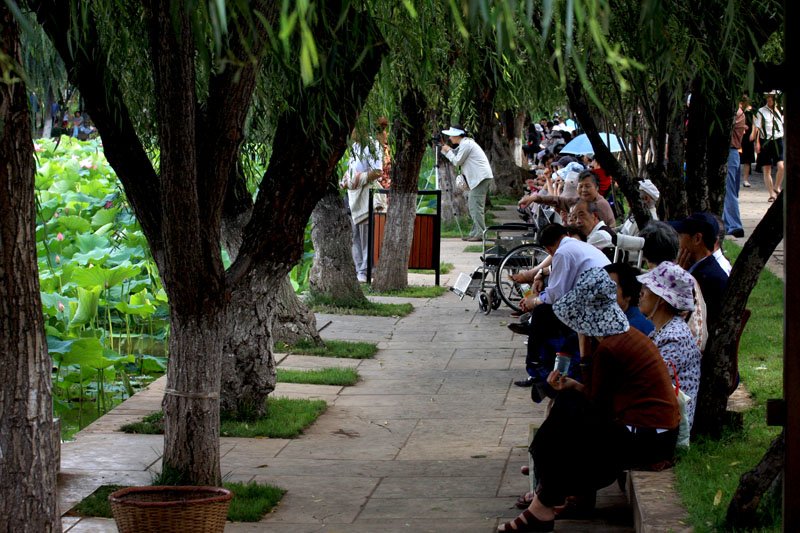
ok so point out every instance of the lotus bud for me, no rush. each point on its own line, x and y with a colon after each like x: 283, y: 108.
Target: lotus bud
x: 60, y: 236
x: 109, y: 204
x: 55, y: 215
x: 60, y: 307
x: 106, y: 284
x: 66, y: 210
x: 58, y: 259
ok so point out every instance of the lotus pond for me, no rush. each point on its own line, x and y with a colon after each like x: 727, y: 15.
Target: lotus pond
x: 106, y: 313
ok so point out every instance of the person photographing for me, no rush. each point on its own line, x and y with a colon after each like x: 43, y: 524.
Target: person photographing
x: 476, y: 171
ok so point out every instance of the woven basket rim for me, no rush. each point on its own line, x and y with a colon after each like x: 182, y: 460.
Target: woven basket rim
x: 216, y: 494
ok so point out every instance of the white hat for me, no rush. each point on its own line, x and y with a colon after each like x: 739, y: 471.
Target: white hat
x: 646, y: 186
x: 454, y: 131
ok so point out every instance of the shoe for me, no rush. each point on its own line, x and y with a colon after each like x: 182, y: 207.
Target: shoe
x: 520, y: 328
x: 771, y: 199
x: 746, y: 184
x: 515, y: 314
x: 472, y: 239
x: 362, y: 278
x: 526, y: 522
x: 527, y: 382
x: 738, y: 233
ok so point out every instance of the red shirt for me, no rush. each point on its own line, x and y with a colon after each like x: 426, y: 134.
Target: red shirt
x: 603, y: 180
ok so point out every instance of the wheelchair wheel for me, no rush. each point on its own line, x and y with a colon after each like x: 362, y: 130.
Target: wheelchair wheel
x: 496, y: 299
x: 518, y: 260
x: 485, y: 303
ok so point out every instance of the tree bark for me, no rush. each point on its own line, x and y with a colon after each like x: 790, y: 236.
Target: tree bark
x: 28, y: 442
x: 753, y: 484
x: 719, y: 143
x: 294, y: 321
x: 411, y: 138
x: 454, y: 200
x: 715, y: 374
x: 674, y: 205
x: 333, y: 273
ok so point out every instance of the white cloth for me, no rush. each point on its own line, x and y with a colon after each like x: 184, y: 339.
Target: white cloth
x: 630, y: 227
x: 572, y: 258
x: 723, y: 261
x: 598, y: 238
x: 472, y: 160
x: 355, y: 179
x: 769, y: 123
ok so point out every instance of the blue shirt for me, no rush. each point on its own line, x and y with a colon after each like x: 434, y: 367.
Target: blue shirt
x: 638, y: 320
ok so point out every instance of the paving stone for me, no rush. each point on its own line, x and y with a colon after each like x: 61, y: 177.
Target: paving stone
x: 437, y: 487
x: 111, y: 452
x: 433, y: 508
x: 94, y: 525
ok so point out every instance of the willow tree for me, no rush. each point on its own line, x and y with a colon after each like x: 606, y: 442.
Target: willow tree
x: 28, y: 436
x: 204, y: 60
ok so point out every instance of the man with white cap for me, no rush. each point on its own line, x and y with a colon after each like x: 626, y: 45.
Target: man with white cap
x: 476, y: 170
x: 650, y: 195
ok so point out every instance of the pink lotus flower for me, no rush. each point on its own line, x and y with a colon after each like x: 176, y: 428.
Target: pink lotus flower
x: 55, y: 215
x: 109, y: 204
x: 85, y: 163
x: 60, y: 307
x: 38, y: 147
x: 60, y: 236
x: 58, y: 259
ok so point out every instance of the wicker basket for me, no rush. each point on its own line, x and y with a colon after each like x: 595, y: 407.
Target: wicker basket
x: 170, y: 509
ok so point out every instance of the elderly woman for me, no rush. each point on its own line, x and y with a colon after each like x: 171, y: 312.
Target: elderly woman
x: 661, y: 243
x: 587, y: 191
x: 667, y: 292
x: 625, y: 407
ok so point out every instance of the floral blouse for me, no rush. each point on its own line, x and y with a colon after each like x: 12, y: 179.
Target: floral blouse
x: 697, y: 319
x: 677, y: 344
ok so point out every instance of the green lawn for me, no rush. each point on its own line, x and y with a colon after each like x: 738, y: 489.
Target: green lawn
x: 450, y: 229
x: 444, y: 268
x: 412, y: 291
x: 346, y: 349
x: 321, y: 304
x: 713, y: 466
x: 322, y: 376
x: 286, y: 419
x: 474, y: 248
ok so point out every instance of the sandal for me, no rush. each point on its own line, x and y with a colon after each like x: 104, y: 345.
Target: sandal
x: 526, y: 522
x: 747, y: 184
x: 524, y: 501
x: 771, y: 199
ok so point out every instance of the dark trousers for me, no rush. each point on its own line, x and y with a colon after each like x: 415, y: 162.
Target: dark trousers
x: 547, y: 336
x: 575, y: 452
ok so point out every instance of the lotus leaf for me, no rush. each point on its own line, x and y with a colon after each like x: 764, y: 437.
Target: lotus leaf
x: 104, y: 216
x: 74, y: 223
x: 87, y: 306
x: 103, y: 277
x: 90, y: 242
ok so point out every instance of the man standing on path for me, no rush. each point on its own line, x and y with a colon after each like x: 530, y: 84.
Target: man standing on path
x: 730, y: 213
x: 476, y: 170
x: 769, y: 123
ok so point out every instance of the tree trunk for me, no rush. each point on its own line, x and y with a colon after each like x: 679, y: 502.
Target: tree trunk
x: 454, y: 200
x: 719, y: 143
x: 696, y: 151
x: 294, y: 321
x: 715, y: 375
x: 28, y: 443
x: 333, y: 273
x: 509, y: 177
x: 674, y: 204
x: 753, y: 484
x: 47, y: 128
x: 411, y: 138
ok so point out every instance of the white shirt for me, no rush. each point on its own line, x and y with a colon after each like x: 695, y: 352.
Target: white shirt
x: 723, y: 261
x: 572, y: 258
x: 362, y: 160
x: 472, y: 160
x: 599, y: 239
x: 769, y: 123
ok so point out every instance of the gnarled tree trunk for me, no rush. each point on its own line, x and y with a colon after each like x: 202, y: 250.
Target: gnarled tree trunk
x: 333, y: 273
x: 754, y: 483
x: 509, y: 176
x: 28, y: 444
x: 392, y: 272
x: 454, y: 200
x: 674, y: 204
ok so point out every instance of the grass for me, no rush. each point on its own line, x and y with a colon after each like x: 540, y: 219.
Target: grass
x: 450, y: 229
x: 250, y: 501
x: 323, y: 376
x: 344, y: 349
x: 287, y: 419
x: 412, y: 291
x: 713, y: 466
x: 444, y: 268
x: 322, y: 304
x: 503, y: 200
x: 476, y: 248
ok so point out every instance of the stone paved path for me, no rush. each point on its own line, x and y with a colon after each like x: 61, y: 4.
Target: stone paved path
x: 430, y: 440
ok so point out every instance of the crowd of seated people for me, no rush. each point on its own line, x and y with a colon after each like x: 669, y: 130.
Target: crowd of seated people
x: 633, y: 337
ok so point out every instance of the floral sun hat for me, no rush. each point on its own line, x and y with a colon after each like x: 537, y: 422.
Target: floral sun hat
x: 672, y: 283
x: 590, y: 308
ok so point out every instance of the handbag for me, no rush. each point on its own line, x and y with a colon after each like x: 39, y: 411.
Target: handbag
x: 683, y: 399
x: 461, y: 183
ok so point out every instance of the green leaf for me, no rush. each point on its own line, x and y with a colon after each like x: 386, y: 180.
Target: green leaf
x: 74, y: 223
x: 153, y: 363
x: 144, y: 310
x: 104, y: 216
x: 87, y: 306
x: 102, y: 230
x: 90, y: 241
x: 103, y: 277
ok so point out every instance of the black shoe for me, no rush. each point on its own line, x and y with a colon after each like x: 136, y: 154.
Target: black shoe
x: 520, y: 328
x: 738, y: 233
x: 524, y: 382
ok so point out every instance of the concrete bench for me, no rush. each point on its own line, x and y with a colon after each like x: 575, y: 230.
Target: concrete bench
x: 655, y: 503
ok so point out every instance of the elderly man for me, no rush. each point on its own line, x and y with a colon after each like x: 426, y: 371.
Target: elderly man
x: 547, y: 334
x: 587, y: 190
x: 697, y: 234
x: 650, y: 195
x: 587, y: 219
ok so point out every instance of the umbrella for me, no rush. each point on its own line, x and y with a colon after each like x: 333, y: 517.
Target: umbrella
x: 580, y: 145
